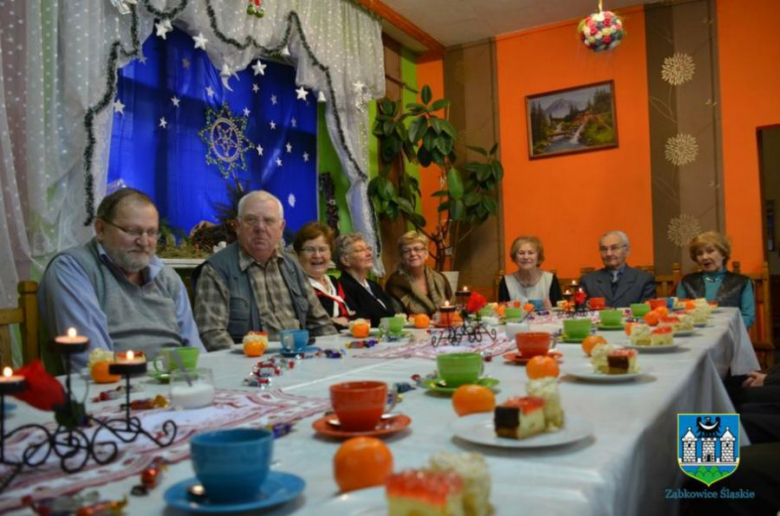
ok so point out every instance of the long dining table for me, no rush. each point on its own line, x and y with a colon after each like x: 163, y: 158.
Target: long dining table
x: 624, y: 464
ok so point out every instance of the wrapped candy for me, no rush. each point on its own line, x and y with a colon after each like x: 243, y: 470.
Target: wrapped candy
x: 150, y: 477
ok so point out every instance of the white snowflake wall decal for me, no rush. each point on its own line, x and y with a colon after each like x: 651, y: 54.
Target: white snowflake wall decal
x: 678, y: 69
x: 683, y: 229
x: 291, y: 200
x: 681, y: 149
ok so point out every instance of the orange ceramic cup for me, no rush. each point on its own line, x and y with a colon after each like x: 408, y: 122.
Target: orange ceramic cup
x: 532, y: 344
x: 597, y: 303
x: 657, y: 303
x: 358, y: 405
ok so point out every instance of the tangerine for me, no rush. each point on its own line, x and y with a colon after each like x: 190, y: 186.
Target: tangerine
x: 421, y: 321
x: 362, y: 462
x: 651, y: 318
x: 662, y: 311
x: 590, y: 342
x: 100, y: 374
x: 628, y: 327
x: 470, y: 399
x: 690, y: 305
x: 528, y: 307
x: 254, y: 348
x: 541, y: 366
x: 361, y: 330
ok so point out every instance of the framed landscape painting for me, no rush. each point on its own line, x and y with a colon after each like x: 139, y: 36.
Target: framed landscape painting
x: 577, y: 119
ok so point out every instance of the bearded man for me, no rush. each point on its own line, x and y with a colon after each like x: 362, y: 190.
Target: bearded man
x: 114, y: 290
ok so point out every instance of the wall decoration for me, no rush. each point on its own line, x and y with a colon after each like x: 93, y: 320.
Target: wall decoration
x: 572, y: 120
x: 601, y: 31
x: 681, y: 149
x: 683, y: 229
x: 678, y: 69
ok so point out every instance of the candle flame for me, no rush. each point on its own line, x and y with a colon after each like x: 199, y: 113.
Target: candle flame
x: 446, y: 303
x: 7, y: 372
x: 72, y: 332
x: 465, y: 288
x: 129, y: 355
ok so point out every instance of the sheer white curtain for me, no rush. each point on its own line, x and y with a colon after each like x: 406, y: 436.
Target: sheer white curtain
x: 56, y: 68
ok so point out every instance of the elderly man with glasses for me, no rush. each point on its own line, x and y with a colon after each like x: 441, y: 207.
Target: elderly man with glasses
x: 253, y: 285
x: 114, y: 289
x: 619, y: 284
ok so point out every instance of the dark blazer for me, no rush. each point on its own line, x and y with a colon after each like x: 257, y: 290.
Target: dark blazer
x: 634, y: 286
x: 364, y: 304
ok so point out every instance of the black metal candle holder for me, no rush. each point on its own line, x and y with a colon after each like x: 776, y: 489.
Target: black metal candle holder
x: 469, y: 331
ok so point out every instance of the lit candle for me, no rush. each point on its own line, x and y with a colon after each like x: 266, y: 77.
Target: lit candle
x: 128, y: 363
x: 580, y: 297
x: 72, y: 342
x: 446, y: 313
x: 11, y: 383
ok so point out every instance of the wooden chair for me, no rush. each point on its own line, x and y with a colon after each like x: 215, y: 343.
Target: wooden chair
x: 666, y: 284
x: 762, y: 332
x: 26, y: 316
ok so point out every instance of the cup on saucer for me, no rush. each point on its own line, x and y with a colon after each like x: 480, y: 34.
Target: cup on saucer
x: 458, y: 369
x: 533, y: 343
x: 611, y: 317
x: 576, y: 328
x: 165, y: 363
x: 359, y: 405
x: 294, y: 341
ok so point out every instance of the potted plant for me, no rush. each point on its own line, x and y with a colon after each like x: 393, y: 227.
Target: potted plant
x: 419, y: 135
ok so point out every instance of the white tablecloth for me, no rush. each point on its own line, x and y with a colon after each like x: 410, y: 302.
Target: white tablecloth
x: 622, y: 469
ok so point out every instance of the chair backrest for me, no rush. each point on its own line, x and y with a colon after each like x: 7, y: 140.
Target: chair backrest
x: 762, y: 331
x: 26, y: 316
x: 666, y: 284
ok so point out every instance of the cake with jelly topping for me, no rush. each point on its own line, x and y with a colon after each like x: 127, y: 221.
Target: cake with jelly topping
x: 473, y: 471
x: 425, y: 493
x: 519, y: 418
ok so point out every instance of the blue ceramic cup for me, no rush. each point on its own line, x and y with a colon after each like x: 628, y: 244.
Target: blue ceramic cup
x: 232, y: 464
x: 538, y: 304
x: 670, y: 303
x: 294, y: 341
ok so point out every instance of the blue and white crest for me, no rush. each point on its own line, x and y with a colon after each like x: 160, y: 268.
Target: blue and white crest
x: 708, y: 445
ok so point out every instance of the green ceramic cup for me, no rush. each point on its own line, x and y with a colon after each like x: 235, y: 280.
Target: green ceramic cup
x: 459, y: 368
x: 611, y: 317
x: 513, y: 313
x: 394, y: 325
x: 639, y: 309
x: 576, y: 328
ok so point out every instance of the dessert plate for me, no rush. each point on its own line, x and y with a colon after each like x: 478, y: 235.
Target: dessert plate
x: 604, y: 327
x: 278, y: 488
x: 479, y: 429
x: 701, y: 324
x: 651, y: 349
x: 307, y: 349
x: 363, y: 502
x: 433, y: 385
x: 391, y: 426
x: 513, y: 357
x: 585, y: 373
x: 685, y: 333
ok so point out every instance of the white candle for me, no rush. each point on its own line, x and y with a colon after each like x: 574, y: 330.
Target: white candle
x: 72, y: 338
x: 192, y: 396
x: 10, y: 382
x: 130, y: 358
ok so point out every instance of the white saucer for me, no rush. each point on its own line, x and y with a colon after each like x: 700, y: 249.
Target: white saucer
x: 479, y: 429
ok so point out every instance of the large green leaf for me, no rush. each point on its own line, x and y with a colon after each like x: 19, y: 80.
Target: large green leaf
x: 471, y: 198
x: 423, y: 156
x: 440, y: 193
x: 436, y: 124
x: 493, y: 149
x: 440, y: 104
x: 478, y: 150
x: 444, y: 206
x: 426, y: 94
x: 388, y: 127
x: 387, y: 107
x: 416, y: 219
x: 446, y: 126
x: 416, y: 129
x: 455, y: 183
x: 405, y: 205
x: 444, y: 144
x: 491, y: 205
x: 457, y: 210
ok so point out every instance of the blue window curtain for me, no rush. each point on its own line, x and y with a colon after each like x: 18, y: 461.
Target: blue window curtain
x: 180, y: 135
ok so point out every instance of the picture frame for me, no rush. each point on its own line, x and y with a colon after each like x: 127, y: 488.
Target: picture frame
x: 572, y: 120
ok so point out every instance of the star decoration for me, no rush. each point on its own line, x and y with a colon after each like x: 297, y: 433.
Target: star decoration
x: 185, y: 63
x: 291, y: 200
x: 225, y: 137
x: 255, y: 88
x: 273, y: 99
x: 246, y: 111
x: 301, y: 93
x: 119, y: 107
x: 259, y: 68
x: 305, y: 156
x: 163, y: 123
x: 163, y: 28
x: 142, y: 59
x: 294, y: 123
x: 209, y: 91
x: 259, y: 150
x: 278, y: 162
x: 288, y: 147
x: 358, y: 86
x: 200, y: 41
x: 175, y: 100
x: 273, y: 125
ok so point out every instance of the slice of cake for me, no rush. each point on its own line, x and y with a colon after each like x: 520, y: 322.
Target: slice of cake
x: 547, y: 389
x: 519, y: 418
x: 662, y: 336
x: 622, y: 361
x: 641, y: 335
x: 686, y: 322
x: 473, y: 471
x: 424, y: 493
x: 700, y: 314
x: 598, y: 356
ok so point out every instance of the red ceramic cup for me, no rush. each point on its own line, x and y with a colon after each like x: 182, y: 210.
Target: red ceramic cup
x: 358, y: 405
x: 532, y: 344
x: 657, y: 303
x: 597, y: 303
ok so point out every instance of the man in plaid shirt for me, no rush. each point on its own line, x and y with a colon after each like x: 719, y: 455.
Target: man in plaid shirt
x: 253, y: 285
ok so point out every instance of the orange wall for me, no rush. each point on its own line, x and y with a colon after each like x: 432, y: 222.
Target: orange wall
x: 569, y: 201
x: 430, y: 72
x: 749, y: 92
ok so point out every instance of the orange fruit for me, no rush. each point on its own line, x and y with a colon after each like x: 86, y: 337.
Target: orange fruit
x: 528, y: 307
x: 361, y: 330
x: 456, y: 317
x: 421, y: 321
x: 651, y: 318
x: 99, y: 373
x: 254, y: 348
x: 541, y: 366
x: 590, y: 342
x: 690, y: 305
x: 501, y: 310
x: 628, y: 327
x: 362, y: 462
x: 470, y: 399
x: 662, y: 311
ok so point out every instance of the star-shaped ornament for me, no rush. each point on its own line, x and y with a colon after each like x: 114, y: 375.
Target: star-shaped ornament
x: 163, y: 123
x: 246, y: 111
x: 278, y: 162
x: 259, y: 150
x: 273, y: 125
x: 255, y: 88
x: 273, y: 99
x: 301, y: 93
x: 142, y: 59
x: 294, y: 122
x: 175, y: 100
x: 288, y: 147
x: 163, y: 28
x: 200, y: 41
x: 209, y: 91
x: 358, y: 86
x: 305, y: 156
x: 119, y: 107
x: 259, y: 67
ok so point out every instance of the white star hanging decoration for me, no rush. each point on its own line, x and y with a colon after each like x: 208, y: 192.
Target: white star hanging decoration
x: 259, y: 150
x: 305, y: 156
x: 163, y: 123
x: 175, y: 100
x: 358, y: 86
x: 209, y: 91
x: 185, y: 63
x: 301, y: 93
x: 288, y: 147
x: 255, y: 88
x: 278, y: 162
x: 200, y: 41
x: 119, y: 107
x: 142, y: 59
x: 294, y: 123
x: 273, y: 125
x: 246, y: 111
x: 163, y: 28
x: 273, y: 99
x: 259, y: 68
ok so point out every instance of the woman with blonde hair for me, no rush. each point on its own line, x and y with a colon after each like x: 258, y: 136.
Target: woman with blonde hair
x: 414, y: 287
x: 529, y: 281
x: 712, y: 251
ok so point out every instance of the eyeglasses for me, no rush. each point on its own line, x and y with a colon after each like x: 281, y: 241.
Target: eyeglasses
x: 135, y: 233
x: 311, y: 251
x: 413, y: 250
x: 255, y: 221
x: 612, y: 248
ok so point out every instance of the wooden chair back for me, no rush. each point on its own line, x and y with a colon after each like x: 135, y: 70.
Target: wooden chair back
x: 762, y: 331
x: 26, y: 316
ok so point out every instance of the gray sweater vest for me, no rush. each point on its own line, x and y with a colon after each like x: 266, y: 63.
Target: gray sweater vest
x: 139, y: 318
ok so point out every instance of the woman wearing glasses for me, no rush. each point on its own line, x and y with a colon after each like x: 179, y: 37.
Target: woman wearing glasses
x: 529, y: 281
x: 415, y: 287
x: 314, y: 245
x: 356, y: 259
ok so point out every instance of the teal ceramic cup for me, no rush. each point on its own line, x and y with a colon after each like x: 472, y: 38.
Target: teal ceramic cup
x: 393, y: 325
x: 459, y: 368
x: 294, y: 341
x: 538, y: 304
x: 232, y: 464
x: 611, y: 317
x: 576, y: 328
x: 512, y: 313
x: 639, y: 309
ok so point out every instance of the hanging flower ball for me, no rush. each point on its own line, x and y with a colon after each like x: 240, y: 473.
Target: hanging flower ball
x: 601, y: 31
